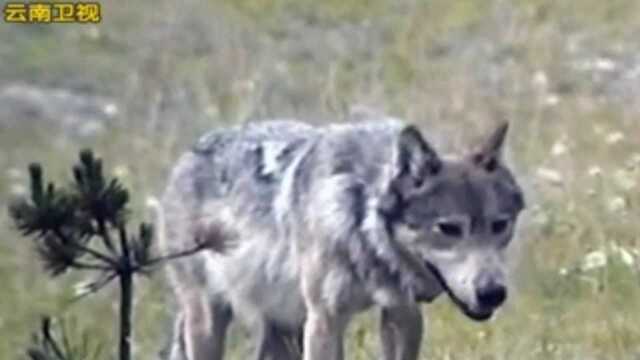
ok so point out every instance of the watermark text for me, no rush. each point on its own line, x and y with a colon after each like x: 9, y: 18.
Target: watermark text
x: 47, y: 13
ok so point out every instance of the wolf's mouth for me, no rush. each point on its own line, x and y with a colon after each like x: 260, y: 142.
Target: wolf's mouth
x: 477, y: 315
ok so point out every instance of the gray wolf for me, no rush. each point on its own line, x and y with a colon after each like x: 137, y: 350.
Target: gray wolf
x: 325, y: 222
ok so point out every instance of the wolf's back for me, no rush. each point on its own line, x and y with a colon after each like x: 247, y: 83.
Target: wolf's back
x: 242, y: 165
x: 256, y: 152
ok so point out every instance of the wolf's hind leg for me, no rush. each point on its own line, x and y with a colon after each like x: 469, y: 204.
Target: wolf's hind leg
x: 205, y: 325
x: 175, y: 348
x: 401, y: 332
x: 323, y: 336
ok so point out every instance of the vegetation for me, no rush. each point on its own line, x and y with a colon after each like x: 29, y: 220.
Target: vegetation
x: 85, y: 228
x: 563, y: 72
x: 56, y: 341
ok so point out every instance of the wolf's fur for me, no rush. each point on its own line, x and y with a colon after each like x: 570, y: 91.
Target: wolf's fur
x: 323, y: 223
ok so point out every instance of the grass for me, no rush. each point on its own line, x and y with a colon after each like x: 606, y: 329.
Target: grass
x: 454, y: 67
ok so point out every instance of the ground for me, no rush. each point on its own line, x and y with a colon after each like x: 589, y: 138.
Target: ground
x: 140, y: 86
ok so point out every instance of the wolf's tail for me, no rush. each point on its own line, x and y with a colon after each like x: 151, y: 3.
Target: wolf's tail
x: 208, y: 234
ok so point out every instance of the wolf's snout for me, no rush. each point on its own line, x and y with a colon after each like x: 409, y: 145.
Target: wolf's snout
x: 491, y: 294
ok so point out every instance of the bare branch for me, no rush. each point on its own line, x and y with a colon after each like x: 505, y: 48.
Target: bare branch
x: 95, y: 286
x: 106, y: 237
x: 88, y: 266
x: 168, y: 257
x: 49, y: 339
x: 96, y: 254
x: 124, y: 243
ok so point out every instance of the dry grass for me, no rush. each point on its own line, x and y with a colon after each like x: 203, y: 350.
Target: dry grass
x: 564, y: 73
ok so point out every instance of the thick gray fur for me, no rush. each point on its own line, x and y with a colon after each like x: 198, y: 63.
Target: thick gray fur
x: 320, y: 223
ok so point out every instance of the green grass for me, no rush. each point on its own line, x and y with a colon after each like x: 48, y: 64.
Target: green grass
x: 454, y: 67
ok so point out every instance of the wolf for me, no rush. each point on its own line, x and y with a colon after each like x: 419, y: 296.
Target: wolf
x: 321, y: 223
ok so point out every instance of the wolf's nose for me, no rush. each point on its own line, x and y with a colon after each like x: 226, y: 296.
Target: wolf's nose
x: 491, y: 295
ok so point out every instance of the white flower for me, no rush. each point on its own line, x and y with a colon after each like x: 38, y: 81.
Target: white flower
x: 604, y: 64
x: 110, y: 109
x: 599, y: 64
x: 152, y: 202
x: 563, y: 271
x: 617, y: 204
x: 594, y: 260
x: 550, y: 175
x: 121, y: 171
x: 594, y: 170
x: 18, y: 190
x: 614, y: 137
x: 626, y: 257
x: 558, y: 148
x: 551, y: 100
x: 540, y: 79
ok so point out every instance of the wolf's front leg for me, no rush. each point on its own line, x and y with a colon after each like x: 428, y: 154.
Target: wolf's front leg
x: 324, y: 324
x: 323, y: 336
x: 401, y: 332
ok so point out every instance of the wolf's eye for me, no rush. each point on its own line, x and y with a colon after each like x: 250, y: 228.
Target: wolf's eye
x: 499, y: 226
x: 448, y: 228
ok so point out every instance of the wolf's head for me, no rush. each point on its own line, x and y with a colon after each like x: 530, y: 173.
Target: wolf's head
x: 456, y: 216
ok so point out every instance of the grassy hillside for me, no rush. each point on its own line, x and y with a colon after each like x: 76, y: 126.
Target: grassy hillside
x: 565, y: 73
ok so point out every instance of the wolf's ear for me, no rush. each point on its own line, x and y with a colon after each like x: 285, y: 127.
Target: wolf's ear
x: 489, y: 154
x: 415, y: 157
